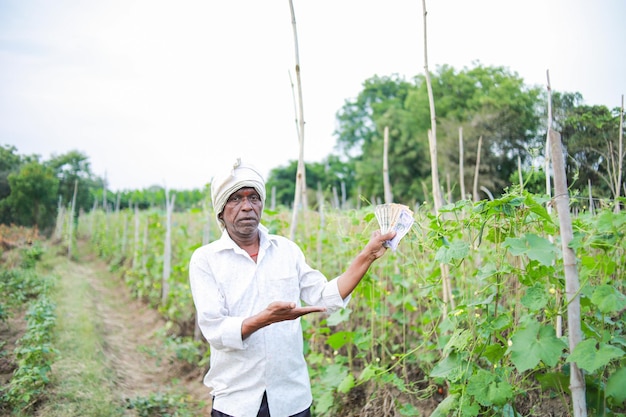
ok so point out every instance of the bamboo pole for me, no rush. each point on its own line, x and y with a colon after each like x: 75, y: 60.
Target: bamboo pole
x: 70, y: 237
x: 572, y: 285
x: 519, y: 173
x: 58, y: 229
x: 559, y: 318
x: 167, y: 251
x: 432, y: 142
x: 476, y: 170
x: 320, y: 229
x: 135, y: 262
x: 104, y: 192
x: 386, y: 184
x: 620, y: 156
x: 448, y: 188
x: 547, y: 147
x: 432, y: 134
x: 300, y: 195
x: 461, y: 164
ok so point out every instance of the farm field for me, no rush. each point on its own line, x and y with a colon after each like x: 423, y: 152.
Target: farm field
x: 498, y: 347
x: 109, y: 355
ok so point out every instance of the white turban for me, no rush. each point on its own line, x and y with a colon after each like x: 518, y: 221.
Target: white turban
x: 224, y: 185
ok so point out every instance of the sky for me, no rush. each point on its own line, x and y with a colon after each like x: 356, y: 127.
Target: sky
x: 170, y: 93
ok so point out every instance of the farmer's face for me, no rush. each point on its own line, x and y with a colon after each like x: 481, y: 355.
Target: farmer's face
x: 242, y: 212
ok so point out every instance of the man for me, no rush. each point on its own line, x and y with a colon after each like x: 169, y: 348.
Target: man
x: 247, y: 287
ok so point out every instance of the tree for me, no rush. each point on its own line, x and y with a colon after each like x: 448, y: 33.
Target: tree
x: 492, y: 102
x: 590, y: 135
x: 32, y: 201
x: 330, y: 173
x: 10, y: 162
x: 69, y: 168
x: 361, y: 124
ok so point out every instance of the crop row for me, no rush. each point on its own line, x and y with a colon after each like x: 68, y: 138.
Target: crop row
x: 497, y: 347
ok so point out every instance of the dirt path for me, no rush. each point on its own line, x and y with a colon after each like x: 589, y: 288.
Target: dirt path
x: 133, y: 352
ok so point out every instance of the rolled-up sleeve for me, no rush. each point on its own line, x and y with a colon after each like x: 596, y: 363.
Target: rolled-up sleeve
x: 219, y: 329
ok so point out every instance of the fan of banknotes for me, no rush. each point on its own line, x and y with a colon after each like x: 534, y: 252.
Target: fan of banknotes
x: 396, y: 217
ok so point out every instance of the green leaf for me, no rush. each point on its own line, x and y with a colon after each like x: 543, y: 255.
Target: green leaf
x: 368, y: 373
x: 493, y: 353
x: 338, y: 317
x: 538, y: 209
x: 535, y: 298
x: 487, y: 390
x: 334, y: 375
x: 346, y: 385
x: 615, y: 386
x: 339, y: 339
x: 324, y: 402
x: 457, y: 250
x: 608, y: 299
x: 448, y: 405
x: 534, y: 343
x: 451, y: 367
x: 591, y: 355
x: 535, y: 247
x: 460, y: 339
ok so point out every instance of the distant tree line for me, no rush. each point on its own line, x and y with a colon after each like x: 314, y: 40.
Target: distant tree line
x: 491, y: 103
x: 485, y: 102
x: 33, y: 190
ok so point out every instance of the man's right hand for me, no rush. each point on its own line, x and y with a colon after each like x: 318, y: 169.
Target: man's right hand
x: 275, y: 312
x: 281, y: 311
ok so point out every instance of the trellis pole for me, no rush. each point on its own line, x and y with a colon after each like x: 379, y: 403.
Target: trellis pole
x: 432, y: 142
x: 300, y: 196
x: 572, y: 285
x: 386, y: 184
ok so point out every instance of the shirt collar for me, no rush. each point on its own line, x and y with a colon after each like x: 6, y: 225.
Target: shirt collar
x: 225, y: 242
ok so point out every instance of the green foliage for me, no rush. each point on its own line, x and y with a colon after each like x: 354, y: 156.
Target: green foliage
x: 9, y: 162
x: 20, y: 285
x: 162, y: 405
x: 33, y: 197
x: 74, y: 169
x: 34, y: 353
x: 488, y: 102
x: 590, y: 134
x: 533, y: 344
x: 35, y: 356
x: 498, y: 342
x: 330, y: 176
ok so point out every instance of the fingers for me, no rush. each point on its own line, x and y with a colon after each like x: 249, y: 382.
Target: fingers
x: 282, y: 310
x: 388, y: 236
x: 377, y: 236
x: 309, y: 309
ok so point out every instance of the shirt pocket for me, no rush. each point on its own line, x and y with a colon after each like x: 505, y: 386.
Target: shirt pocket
x: 284, y: 288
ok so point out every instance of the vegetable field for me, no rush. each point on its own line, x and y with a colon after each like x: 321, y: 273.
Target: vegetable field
x: 498, y: 347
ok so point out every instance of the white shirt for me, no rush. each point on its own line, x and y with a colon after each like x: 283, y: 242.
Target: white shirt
x: 228, y: 287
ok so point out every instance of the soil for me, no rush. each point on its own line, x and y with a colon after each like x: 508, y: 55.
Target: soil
x: 132, y: 347
x: 10, y: 331
x: 134, y: 352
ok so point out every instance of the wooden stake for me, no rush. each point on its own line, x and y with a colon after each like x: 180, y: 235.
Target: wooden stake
x: 386, y: 184
x: 461, y: 164
x: 572, y: 285
x: 300, y: 195
x: 476, y: 170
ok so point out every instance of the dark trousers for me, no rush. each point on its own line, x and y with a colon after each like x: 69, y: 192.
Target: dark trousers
x: 264, y: 411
